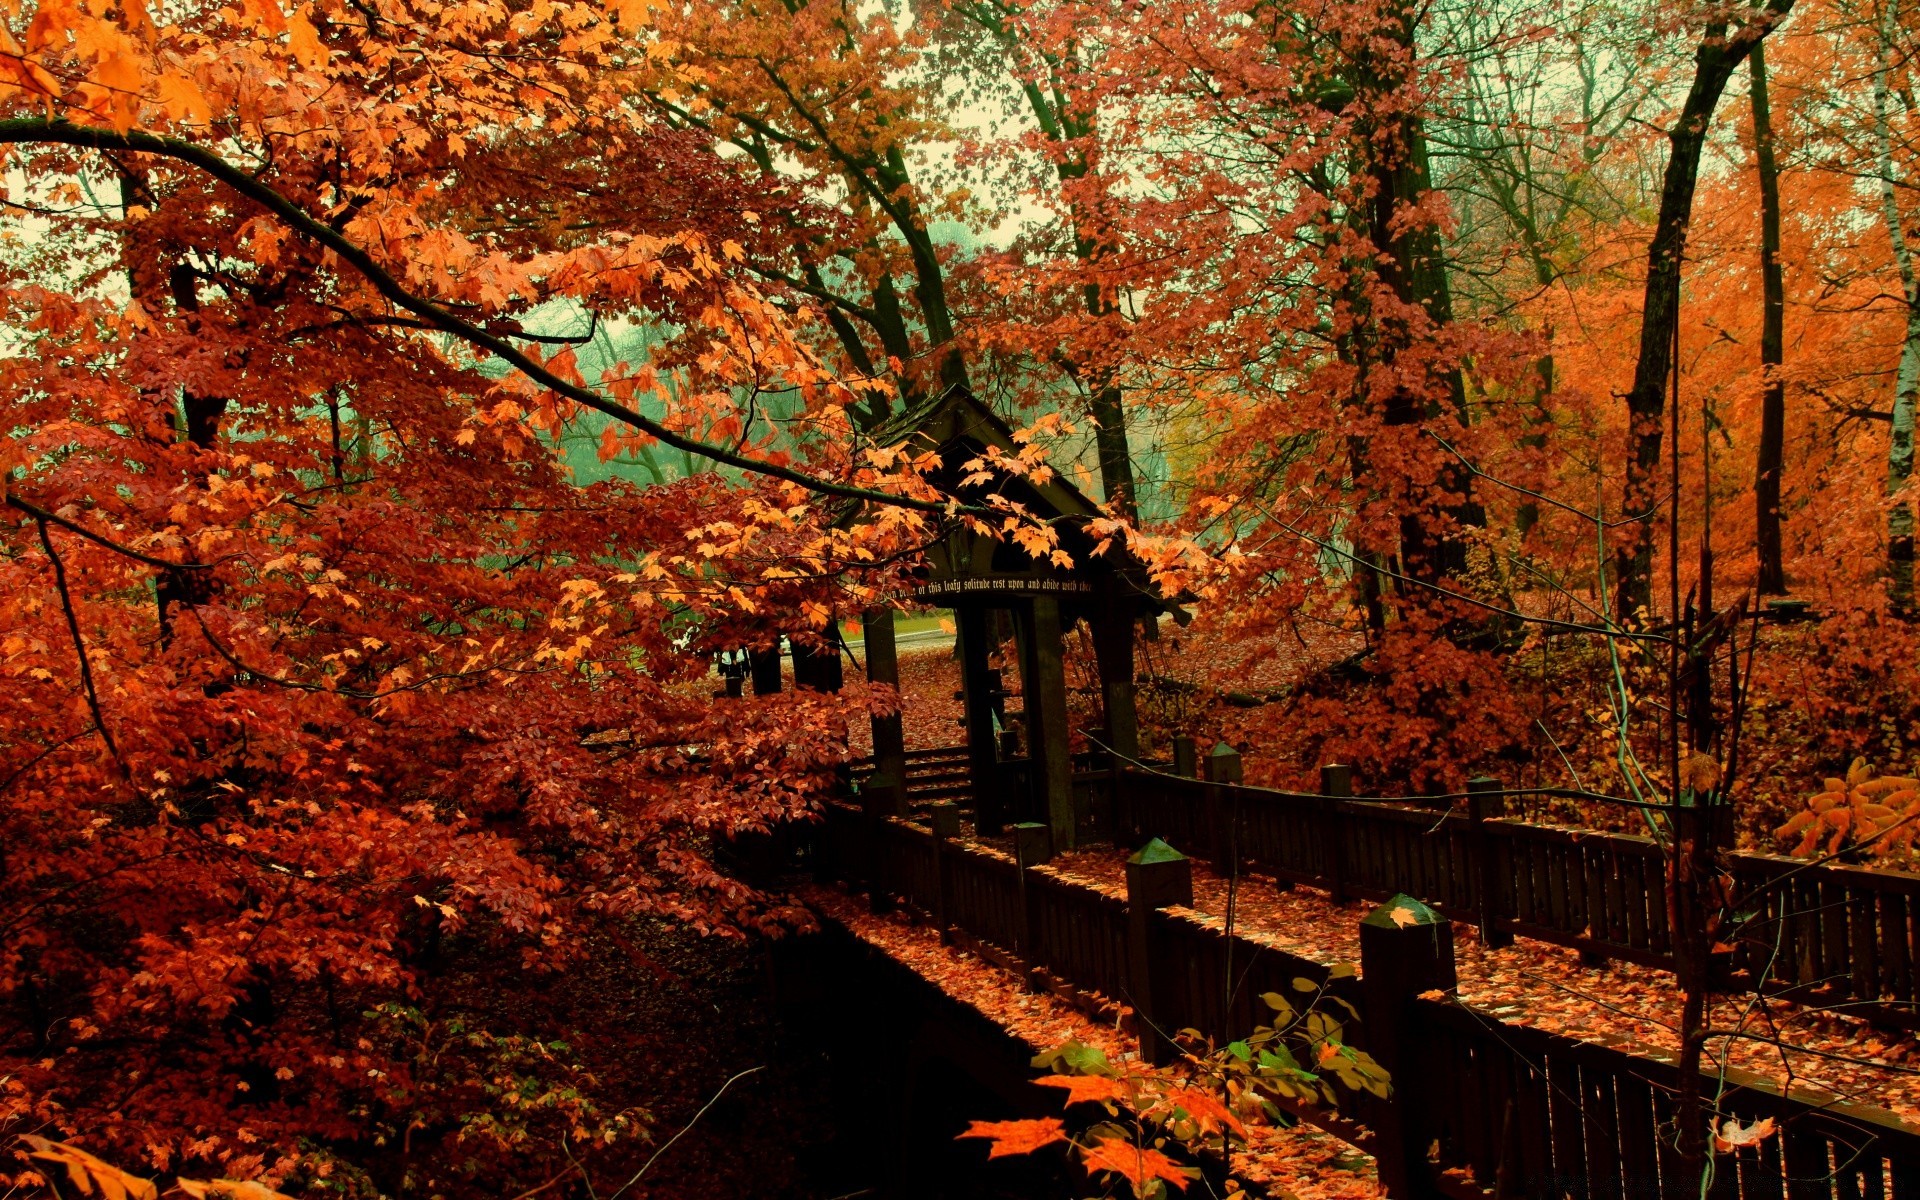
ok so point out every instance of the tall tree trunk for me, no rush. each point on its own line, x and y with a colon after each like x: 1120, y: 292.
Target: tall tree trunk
x: 1771, y: 579
x: 1906, y: 387
x: 1063, y: 126
x: 1715, y: 59
x: 1414, y: 268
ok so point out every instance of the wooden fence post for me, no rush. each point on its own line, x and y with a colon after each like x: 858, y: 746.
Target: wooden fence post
x: 879, y: 889
x: 1157, y: 876
x: 1223, y: 807
x: 1481, y: 808
x: 1336, y: 783
x: 1406, y: 948
x: 1184, y: 754
x: 889, y: 743
x: 1032, y: 845
x: 944, y: 816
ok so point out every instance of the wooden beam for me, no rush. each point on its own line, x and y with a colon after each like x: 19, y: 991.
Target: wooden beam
x: 1044, y: 680
x: 889, y: 742
x: 1113, y: 646
x: 976, y: 683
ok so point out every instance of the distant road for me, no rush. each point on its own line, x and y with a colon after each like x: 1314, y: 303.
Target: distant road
x: 920, y: 638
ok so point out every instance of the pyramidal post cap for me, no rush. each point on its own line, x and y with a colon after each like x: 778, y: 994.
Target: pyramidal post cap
x: 1156, y: 851
x: 1402, y: 912
x: 1222, y: 748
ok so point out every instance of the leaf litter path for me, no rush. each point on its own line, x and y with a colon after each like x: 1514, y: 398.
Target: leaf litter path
x: 1547, y: 987
x: 1302, y: 1162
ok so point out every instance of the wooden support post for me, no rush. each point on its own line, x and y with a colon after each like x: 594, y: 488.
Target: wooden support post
x: 1481, y: 808
x: 879, y: 879
x: 1044, y: 680
x: 944, y: 816
x: 1185, y: 757
x: 1223, y: 807
x: 990, y: 810
x: 1157, y: 876
x: 733, y: 675
x: 1336, y: 784
x: 889, y: 742
x: 1113, y: 647
x: 817, y: 668
x: 765, y: 667
x: 1032, y: 845
x: 1406, y: 948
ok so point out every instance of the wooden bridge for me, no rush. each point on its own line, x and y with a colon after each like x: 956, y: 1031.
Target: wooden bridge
x: 1513, y: 1111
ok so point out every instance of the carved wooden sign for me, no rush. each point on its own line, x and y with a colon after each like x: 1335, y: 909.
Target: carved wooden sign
x: 1015, y: 585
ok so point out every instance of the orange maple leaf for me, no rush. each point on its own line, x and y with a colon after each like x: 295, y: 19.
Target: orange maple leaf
x: 1017, y: 1137
x: 1206, y: 1110
x: 1083, y: 1089
x: 1137, y: 1165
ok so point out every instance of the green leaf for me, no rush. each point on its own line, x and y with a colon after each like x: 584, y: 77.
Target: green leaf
x: 1074, y: 1057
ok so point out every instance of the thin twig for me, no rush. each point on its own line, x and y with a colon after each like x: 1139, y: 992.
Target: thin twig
x: 52, y: 518
x: 683, y: 1132
x: 79, y: 645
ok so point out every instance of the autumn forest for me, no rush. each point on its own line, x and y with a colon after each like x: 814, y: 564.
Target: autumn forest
x: 945, y: 598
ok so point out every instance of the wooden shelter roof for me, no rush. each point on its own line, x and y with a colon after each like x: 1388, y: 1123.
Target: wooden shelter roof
x: 971, y: 567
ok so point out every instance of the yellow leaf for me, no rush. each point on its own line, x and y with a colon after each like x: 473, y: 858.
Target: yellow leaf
x: 90, y: 1176
x: 632, y: 14
x: 182, y: 100
x: 304, y: 40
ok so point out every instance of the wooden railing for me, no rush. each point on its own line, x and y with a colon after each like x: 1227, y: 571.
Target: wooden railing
x: 1513, y: 1111
x: 1842, y: 935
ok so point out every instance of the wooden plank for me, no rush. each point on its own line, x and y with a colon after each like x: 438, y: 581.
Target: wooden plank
x: 1558, y: 885
x: 1896, y: 964
x: 1872, y: 1177
x: 1806, y: 929
x: 1634, y: 888
x: 1836, y: 965
x: 1762, y: 1176
x: 1602, y: 1135
x: 1862, y: 938
x: 1532, y: 1142
x: 1594, y: 910
x: 1653, y: 870
x: 1809, y: 1174
x: 1671, y: 1175
x: 1616, y: 905
x: 1540, y: 859
x: 1905, y: 1179
x: 1569, y: 1141
x: 1494, y: 1102
x: 1639, y: 1152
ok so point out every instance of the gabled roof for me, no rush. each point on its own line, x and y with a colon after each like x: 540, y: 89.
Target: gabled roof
x: 959, y: 427
x: 945, y: 421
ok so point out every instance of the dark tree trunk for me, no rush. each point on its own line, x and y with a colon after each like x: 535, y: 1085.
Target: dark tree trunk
x: 1772, y: 576
x: 1715, y: 60
x: 1414, y: 268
